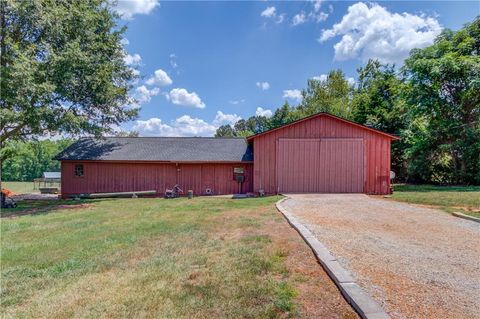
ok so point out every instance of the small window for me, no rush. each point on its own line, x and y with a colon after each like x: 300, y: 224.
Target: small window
x: 79, y: 170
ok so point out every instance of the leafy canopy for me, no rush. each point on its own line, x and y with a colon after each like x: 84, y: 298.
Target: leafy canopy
x: 443, y: 91
x: 62, y: 68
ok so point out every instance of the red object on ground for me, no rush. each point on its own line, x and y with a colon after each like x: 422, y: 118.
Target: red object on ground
x: 7, y: 192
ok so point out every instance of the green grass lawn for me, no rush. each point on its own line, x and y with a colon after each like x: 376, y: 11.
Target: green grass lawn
x: 25, y: 187
x: 20, y: 187
x: 464, y: 199
x: 180, y: 258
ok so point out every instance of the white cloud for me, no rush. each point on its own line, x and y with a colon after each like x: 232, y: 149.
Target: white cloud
x: 128, y: 8
x: 184, y: 125
x: 180, y: 96
x: 280, y: 18
x: 319, y: 17
x: 144, y: 95
x: 135, y: 73
x: 269, y: 12
x: 299, y: 19
x: 374, y: 32
x: 222, y: 119
x: 263, y: 85
x: 321, y: 77
x: 293, y: 94
x: 135, y: 59
x: 124, y: 41
x: 317, y: 5
x: 351, y: 81
x: 236, y: 102
x: 173, y: 60
x: 160, y: 78
x: 315, y: 14
x: 263, y: 112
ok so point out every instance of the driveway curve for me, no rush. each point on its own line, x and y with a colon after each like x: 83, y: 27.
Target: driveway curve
x: 417, y: 262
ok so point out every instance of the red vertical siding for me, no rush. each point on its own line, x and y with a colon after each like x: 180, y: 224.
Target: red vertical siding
x: 376, y: 162
x: 105, y: 177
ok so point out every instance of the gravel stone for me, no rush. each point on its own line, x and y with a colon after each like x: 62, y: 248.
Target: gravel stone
x: 417, y: 262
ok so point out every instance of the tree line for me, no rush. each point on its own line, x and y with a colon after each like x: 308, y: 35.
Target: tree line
x: 432, y: 102
x: 63, y: 72
x: 29, y: 159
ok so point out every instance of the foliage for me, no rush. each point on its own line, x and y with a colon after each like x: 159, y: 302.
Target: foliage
x: 127, y: 133
x: 377, y: 103
x: 244, y: 128
x: 443, y: 91
x: 62, y: 68
x: 332, y: 95
x: 433, y: 104
x: 30, y: 159
x: 225, y: 131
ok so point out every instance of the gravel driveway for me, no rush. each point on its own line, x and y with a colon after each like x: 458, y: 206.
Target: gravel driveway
x: 417, y: 262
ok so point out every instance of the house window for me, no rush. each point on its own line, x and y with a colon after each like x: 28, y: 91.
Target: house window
x: 79, y: 170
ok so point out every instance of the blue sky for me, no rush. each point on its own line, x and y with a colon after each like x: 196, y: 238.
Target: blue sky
x: 203, y: 64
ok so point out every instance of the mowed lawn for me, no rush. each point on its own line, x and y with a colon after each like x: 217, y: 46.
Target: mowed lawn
x: 464, y: 199
x: 180, y: 258
x: 20, y: 187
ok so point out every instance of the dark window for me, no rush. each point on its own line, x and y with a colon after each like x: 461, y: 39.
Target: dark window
x: 78, y: 169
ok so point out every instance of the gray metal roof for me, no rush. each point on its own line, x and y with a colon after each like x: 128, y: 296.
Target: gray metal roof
x: 169, y: 149
x: 54, y: 175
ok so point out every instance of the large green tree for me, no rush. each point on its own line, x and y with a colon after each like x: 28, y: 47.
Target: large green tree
x: 377, y: 102
x: 443, y: 91
x: 62, y: 68
x: 332, y: 95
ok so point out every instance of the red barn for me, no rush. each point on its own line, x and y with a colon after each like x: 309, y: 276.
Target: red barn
x: 318, y: 154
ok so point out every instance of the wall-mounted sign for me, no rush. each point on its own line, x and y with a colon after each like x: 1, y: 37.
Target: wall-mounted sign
x: 238, y: 170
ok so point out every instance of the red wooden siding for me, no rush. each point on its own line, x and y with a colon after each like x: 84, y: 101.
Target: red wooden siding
x: 320, y: 165
x: 105, y: 177
x: 376, y: 152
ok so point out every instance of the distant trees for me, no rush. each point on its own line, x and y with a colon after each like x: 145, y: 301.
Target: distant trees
x: 28, y: 160
x: 432, y: 103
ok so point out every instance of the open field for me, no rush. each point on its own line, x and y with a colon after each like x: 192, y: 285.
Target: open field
x: 202, y: 258
x: 465, y: 199
x: 20, y: 187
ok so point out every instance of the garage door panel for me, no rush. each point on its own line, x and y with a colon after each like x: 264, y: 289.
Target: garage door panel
x: 320, y: 165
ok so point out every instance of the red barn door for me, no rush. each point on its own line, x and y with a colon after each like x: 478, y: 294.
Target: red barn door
x: 330, y: 165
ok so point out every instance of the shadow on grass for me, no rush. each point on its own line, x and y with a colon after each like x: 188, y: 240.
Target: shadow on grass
x: 38, y: 207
